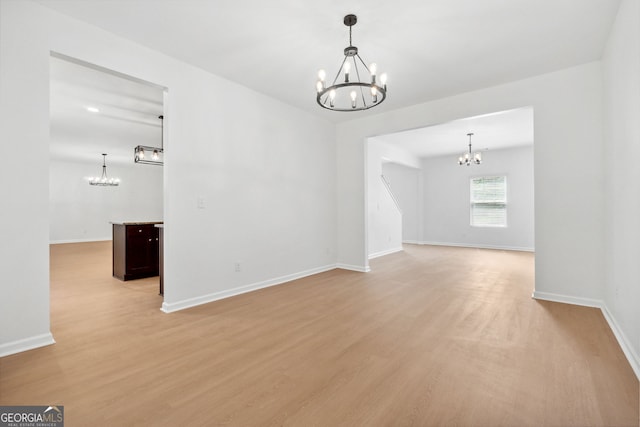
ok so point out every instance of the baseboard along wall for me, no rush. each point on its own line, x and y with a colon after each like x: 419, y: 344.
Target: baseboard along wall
x: 472, y: 245
x: 386, y: 252
x: 25, y: 344
x: 215, y: 296
x: 623, y: 341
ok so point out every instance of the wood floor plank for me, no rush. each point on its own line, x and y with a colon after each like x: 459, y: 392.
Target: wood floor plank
x: 432, y: 336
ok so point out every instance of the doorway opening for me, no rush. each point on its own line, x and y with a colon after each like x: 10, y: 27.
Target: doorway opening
x: 418, y: 193
x: 97, y: 118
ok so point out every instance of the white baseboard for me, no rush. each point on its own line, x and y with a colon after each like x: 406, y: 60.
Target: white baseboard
x: 358, y: 268
x: 26, y: 344
x: 412, y: 242
x: 387, y: 252
x: 566, y: 299
x: 478, y: 246
x: 204, y: 299
x: 623, y: 341
x: 56, y: 242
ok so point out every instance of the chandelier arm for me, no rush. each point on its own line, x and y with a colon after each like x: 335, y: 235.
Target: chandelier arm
x: 358, y: 74
x: 364, y: 101
x: 339, y: 70
x: 363, y: 63
x: 355, y: 65
x: 326, y: 98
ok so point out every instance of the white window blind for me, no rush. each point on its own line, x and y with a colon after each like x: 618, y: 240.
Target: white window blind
x: 489, y: 201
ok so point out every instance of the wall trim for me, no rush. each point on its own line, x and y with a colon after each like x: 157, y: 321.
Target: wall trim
x: 412, y: 242
x: 57, y: 242
x: 567, y: 299
x: 478, y: 246
x: 385, y: 252
x: 623, y: 341
x: 25, y: 344
x: 358, y: 268
x: 204, y: 299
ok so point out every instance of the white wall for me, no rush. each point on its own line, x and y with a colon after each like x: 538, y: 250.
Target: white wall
x: 82, y: 212
x: 24, y: 222
x: 406, y: 184
x: 622, y: 177
x: 569, y: 197
x: 384, y: 215
x: 265, y: 171
x: 446, y: 197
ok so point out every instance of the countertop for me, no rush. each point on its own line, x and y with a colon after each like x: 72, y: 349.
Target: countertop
x: 135, y: 222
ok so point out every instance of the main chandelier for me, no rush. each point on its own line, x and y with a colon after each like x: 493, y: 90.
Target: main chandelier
x: 355, y: 91
x: 468, y: 158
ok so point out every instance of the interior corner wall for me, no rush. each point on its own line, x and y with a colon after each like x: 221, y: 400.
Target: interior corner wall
x: 621, y: 64
x: 247, y: 179
x: 79, y: 212
x: 406, y: 184
x: 446, y: 217
x: 569, y: 236
x: 384, y: 215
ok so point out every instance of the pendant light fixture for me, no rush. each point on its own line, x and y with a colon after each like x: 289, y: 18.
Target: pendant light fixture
x: 104, y: 181
x: 354, y: 88
x: 151, y: 155
x: 468, y: 158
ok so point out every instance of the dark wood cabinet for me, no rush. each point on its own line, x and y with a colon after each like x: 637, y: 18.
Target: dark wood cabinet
x: 135, y: 250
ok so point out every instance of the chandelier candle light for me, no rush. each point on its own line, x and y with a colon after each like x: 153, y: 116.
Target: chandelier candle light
x: 468, y: 158
x: 103, y: 181
x: 352, y: 93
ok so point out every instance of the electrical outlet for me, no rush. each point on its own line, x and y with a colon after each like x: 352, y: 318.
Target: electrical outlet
x: 237, y: 267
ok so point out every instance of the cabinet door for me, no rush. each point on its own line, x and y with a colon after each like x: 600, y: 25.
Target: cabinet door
x: 142, y: 250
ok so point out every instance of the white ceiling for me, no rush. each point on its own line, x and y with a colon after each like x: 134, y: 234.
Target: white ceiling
x: 127, y: 117
x: 429, y: 48
x: 505, y: 129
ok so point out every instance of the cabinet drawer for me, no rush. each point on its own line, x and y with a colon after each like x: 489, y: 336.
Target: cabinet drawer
x: 147, y: 231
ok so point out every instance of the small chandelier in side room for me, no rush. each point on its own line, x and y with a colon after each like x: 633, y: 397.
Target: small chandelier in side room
x: 104, y: 181
x: 468, y: 158
x: 151, y: 155
x: 358, y: 88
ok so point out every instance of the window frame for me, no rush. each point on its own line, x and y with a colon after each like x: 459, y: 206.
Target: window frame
x: 503, y: 203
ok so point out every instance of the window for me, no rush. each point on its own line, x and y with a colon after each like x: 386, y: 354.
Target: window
x: 489, y: 201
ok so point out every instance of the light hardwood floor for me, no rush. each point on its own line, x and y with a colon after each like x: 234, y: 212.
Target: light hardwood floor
x: 432, y: 336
